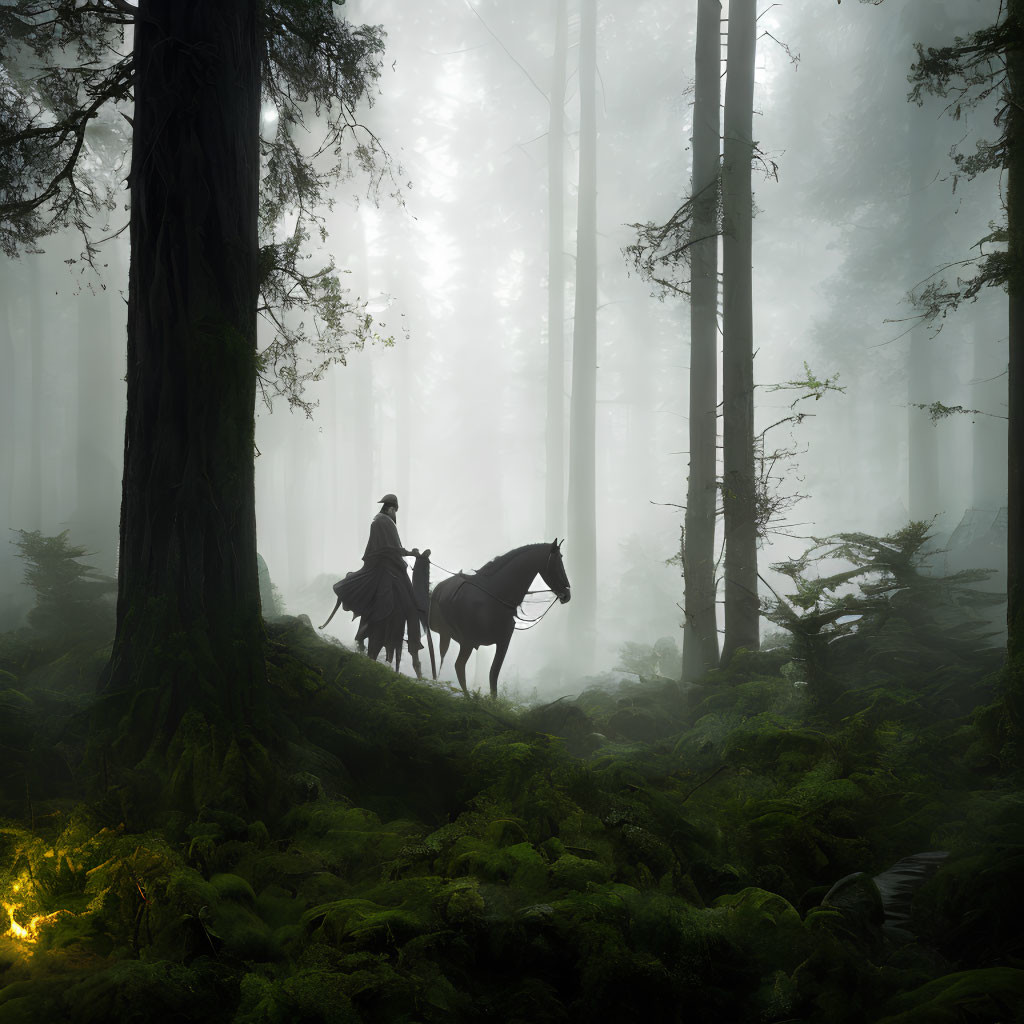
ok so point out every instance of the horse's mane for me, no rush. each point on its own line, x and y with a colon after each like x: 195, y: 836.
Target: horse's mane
x: 502, y: 560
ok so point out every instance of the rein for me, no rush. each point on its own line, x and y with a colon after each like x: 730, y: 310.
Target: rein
x: 530, y: 623
x: 514, y: 608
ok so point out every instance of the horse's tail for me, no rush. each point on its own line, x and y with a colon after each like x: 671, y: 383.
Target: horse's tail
x: 337, y: 605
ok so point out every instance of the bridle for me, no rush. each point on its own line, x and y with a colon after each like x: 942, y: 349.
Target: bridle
x: 514, y: 608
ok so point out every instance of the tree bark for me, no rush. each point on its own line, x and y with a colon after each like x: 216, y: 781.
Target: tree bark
x: 1015, y: 427
x: 988, y: 433
x: 8, y: 402
x: 738, y: 490
x: 582, y: 537
x: 700, y: 626
x: 36, y: 338
x: 923, y: 386
x: 554, y: 477
x: 922, y: 435
x: 189, y: 632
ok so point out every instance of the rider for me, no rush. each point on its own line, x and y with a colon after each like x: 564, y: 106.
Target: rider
x: 382, y: 586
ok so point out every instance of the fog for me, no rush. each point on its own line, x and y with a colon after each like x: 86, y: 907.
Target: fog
x: 855, y: 207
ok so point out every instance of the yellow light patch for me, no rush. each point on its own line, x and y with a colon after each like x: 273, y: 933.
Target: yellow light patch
x: 17, y: 930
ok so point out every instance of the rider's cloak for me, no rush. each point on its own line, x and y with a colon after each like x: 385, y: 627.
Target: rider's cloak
x: 380, y: 593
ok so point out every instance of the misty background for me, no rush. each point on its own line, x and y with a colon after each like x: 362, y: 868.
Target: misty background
x: 855, y: 207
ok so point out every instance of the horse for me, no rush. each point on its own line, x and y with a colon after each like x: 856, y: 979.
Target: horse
x: 479, y: 609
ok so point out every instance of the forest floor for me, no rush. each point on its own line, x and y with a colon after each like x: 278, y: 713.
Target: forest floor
x: 395, y: 851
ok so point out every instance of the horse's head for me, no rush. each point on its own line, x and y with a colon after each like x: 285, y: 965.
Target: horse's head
x: 553, y: 573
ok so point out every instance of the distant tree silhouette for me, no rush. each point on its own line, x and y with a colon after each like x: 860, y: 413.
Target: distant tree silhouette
x: 968, y: 71
x: 582, y: 547
x: 554, y: 476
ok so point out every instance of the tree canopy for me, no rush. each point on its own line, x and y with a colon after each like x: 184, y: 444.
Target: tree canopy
x: 66, y: 94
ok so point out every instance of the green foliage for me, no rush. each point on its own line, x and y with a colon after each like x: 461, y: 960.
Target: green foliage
x: 887, y: 617
x: 73, y: 600
x: 969, y: 72
x: 937, y: 411
x: 660, y: 659
x: 809, y: 386
x: 48, y: 109
x: 395, y: 851
x: 985, y: 994
x: 63, y: 83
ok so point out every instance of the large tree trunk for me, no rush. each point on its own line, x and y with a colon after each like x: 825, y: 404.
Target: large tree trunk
x: 700, y: 626
x: 582, y: 537
x: 189, y: 633
x: 554, y: 476
x: 738, y: 490
x: 1015, y: 384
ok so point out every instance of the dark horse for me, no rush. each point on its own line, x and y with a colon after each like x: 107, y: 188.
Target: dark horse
x: 480, y: 609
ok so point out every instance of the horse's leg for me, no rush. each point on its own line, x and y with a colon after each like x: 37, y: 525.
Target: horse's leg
x: 460, y: 666
x: 443, y: 648
x: 412, y: 629
x: 361, y: 634
x: 500, y: 649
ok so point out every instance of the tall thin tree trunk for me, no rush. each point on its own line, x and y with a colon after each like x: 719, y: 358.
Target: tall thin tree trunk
x: 922, y: 438
x: 405, y: 417
x: 362, y: 435
x: 582, y: 537
x: 36, y: 338
x: 700, y: 627
x: 554, y: 477
x: 738, y: 487
x: 189, y: 632
x: 97, y: 428
x: 988, y: 433
x: 1015, y: 384
x: 8, y: 405
x: 297, y: 480
x: 922, y: 379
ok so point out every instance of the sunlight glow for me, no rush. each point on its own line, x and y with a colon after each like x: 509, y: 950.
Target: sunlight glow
x: 29, y: 933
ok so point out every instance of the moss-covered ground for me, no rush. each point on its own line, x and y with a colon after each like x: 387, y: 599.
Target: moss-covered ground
x: 387, y: 850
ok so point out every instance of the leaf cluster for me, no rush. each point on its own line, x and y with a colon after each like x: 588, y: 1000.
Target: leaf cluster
x: 62, y: 80
x: 61, y: 75
x: 968, y: 73
x: 662, y: 252
x: 72, y: 598
x: 886, y: 613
